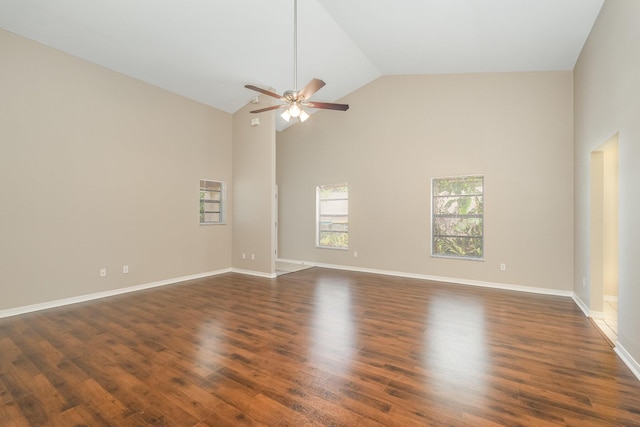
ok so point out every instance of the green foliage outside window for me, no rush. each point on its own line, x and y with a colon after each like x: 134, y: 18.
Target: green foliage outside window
x: 334, y: 240
x: 458, y: 214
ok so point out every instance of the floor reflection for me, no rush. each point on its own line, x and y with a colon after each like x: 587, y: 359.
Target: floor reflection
x: 333, y: 327
x: 608, y: 324
x: 455, y: 341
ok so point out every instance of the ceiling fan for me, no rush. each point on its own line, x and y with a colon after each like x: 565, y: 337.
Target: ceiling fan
x: 296, y: 100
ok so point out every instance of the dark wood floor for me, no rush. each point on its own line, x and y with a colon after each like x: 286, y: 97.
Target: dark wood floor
x: 320, y: 348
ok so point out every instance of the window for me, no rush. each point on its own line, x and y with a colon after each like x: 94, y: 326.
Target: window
x: 457, y: 217
x: 332, y: 224
x: 212, y: 200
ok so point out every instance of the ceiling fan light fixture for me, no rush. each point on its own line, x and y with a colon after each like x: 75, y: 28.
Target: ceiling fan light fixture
x: 286, y: 116
x: 303, y: 116
x: 294, y: 110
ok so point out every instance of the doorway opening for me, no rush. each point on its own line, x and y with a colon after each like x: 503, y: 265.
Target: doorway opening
x: 604, y: 238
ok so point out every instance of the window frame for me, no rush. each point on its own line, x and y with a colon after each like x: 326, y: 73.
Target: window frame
x: 319, y: 216
x: 479, y: 216
x: 221, y: 202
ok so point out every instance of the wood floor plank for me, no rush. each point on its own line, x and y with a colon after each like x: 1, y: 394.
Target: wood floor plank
x: 12, y: 416
x: 317, y: 347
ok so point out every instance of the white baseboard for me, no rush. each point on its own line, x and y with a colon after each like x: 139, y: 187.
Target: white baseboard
x: 88, y: 297
x: 254, y: 273
x: 454, y: 280
x: 628, y: 360
x: 294, y: 261
x: 580, y: 304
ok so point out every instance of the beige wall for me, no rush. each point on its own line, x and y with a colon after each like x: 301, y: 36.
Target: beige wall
x: 98, y: 170
x: 254, y: 184
x: 514, y: 128
x: 607, y: 101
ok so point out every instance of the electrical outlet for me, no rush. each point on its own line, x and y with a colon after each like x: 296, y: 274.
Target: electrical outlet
x: 355, y: 254
x: 103, y: 272
x: 125, y: 269
x: 503, y: 267
x: 244, y: 256
x: 253, y: 257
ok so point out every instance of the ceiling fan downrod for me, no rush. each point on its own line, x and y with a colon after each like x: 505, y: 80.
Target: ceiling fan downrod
x: 295, y: 45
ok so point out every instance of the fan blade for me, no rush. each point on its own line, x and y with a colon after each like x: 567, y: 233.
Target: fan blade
x: 266, y: 92
x: 327, y: 106
x: 312, y: 87
x: 273, y: 107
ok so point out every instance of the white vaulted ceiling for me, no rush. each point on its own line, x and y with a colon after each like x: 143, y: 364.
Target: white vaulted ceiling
x: 208, y: 50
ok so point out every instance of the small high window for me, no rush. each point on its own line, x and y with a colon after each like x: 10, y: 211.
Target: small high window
x: 212, y: 202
